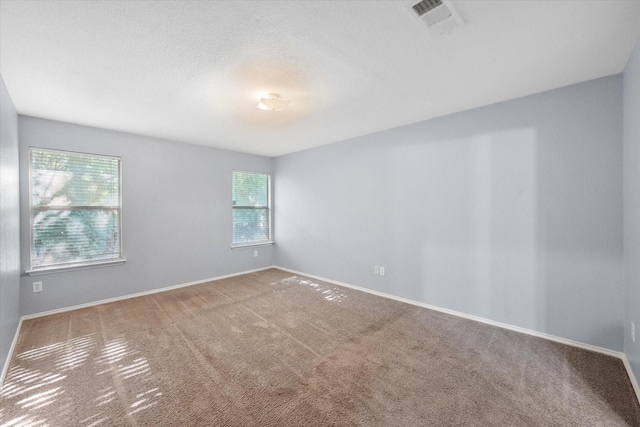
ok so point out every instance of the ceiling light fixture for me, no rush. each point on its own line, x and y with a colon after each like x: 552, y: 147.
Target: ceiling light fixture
x: 272, y: 102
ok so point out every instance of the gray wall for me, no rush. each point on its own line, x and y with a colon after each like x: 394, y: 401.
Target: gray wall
x: 632, y: 207
x: 176, y: 215
x: 511, y: 212
x: 9, y: 224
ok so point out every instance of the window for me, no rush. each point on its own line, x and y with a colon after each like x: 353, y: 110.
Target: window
x: 251, y: 208
x: 75, y: 209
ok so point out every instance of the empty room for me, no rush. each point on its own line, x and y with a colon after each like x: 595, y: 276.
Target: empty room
x: 319, y: 213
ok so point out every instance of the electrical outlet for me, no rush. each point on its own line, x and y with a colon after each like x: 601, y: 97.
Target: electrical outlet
x: 255, y: 254
x: 37, y: 286
x: 382, y: 271
x: 633, y: 332
x: 376, y: 270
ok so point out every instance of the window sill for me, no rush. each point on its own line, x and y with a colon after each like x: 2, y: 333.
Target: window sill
x: 62, y: 269
x: 251, y: 245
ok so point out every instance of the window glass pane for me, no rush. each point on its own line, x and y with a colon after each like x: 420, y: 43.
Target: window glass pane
x: 67, y: 236
x: 251, y: 215
x: 61, y: 179
x: 250, y: 189
x: 250, y: 225
x: 75, y: 208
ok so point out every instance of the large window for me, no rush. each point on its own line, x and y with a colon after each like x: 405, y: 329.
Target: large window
x: 75, y: 210
x: 251, y: 208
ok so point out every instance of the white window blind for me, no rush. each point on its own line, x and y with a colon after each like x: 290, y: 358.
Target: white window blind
x: 75, y: 209
x: 251, y: 208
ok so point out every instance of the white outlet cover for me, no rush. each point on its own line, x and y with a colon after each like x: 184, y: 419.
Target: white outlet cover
x: 633, y: 332
x: 382, y: 271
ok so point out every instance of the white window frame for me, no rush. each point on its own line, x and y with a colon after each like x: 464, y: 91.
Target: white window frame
x: 269, y: 240
x: 61, y: 267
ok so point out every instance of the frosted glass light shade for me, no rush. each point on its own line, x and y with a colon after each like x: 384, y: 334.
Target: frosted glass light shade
x: 272, y: 102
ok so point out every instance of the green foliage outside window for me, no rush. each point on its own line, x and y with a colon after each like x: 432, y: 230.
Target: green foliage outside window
x: 251, y: 218
x: 75, y: 208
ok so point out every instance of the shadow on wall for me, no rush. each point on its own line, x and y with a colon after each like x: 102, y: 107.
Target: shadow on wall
x: 513, y: 230
x: 510, y: 212
x: 480, y: 232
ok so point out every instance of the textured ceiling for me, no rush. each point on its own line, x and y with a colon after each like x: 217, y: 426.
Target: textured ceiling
x: 193, y: 71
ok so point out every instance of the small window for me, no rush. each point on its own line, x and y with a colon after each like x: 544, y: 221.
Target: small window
x: 75, y: 209
x: 251, y: 208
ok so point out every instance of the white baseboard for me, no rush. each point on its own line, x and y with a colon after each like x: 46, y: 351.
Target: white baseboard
x: 632, y: 377
x: 561, y: 340
x: 139, y: 294
x: 616, y: 354
x: 7, y: 362
x: 108, y: 300
x: 5, y: 368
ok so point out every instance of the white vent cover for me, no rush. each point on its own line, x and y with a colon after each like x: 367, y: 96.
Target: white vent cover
x: 439, y: 15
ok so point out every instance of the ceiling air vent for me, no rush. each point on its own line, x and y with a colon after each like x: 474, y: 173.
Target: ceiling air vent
x: 439, y: 15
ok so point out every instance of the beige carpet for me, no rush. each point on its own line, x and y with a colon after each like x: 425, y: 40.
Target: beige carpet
x: 275, y: 349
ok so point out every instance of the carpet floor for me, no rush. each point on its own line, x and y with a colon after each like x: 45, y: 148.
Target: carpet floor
x: 275, y: 349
